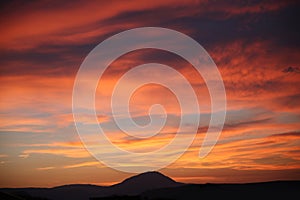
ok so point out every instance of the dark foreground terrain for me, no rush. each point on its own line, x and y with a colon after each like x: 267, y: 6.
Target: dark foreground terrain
x: 153, y: 185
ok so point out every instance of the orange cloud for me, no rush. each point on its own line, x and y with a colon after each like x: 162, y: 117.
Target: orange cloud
x: 71, y: 153
x: 45, y: 168
x: 83, y: 164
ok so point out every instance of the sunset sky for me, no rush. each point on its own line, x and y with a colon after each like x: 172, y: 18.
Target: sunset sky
x: 255, y: 44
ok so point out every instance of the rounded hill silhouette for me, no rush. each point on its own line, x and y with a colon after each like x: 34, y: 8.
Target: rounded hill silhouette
x: 143, y: 182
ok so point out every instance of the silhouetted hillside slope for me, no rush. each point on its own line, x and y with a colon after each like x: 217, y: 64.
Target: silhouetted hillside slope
x: 143, y: 182
x: 277, y: 189
x: 132, y: 186
x: 7, y: 196
x: 154, y: 185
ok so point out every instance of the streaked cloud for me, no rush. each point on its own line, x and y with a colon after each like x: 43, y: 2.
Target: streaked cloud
x: 84, y: 164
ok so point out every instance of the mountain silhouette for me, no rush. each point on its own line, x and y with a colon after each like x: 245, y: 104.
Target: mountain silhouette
x: 144, y: 182
x: 154, y: 185
x: 134, y: 185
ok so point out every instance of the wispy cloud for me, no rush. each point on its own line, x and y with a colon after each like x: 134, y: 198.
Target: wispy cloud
x: 84, y: 164
x: 45, y: 168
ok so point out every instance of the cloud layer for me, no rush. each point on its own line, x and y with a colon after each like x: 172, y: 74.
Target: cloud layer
x: 255, y: 46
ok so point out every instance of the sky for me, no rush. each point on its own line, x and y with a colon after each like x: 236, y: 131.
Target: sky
x: 255, y: 45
